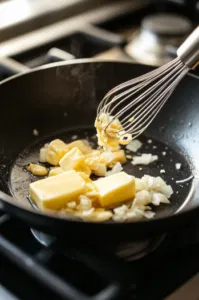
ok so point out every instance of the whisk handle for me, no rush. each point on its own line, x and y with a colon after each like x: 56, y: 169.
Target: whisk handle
x: 188, y: 52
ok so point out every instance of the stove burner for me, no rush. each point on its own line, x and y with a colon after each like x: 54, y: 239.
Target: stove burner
x: 136, y: 250
x: 150, y: 45
x: 167, y: 24
x: 128, y: 251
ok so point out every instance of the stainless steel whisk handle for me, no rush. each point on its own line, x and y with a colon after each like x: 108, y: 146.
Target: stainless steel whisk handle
x: 188, y: 52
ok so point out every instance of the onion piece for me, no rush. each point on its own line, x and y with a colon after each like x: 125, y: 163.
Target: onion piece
x: 134, y: 145
x: 116, y: 169
x: 144, y: 159
x: 158, y: 198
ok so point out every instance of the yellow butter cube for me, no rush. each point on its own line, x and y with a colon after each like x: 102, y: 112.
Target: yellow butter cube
x: 111, y: 158
x: 115, y: 189
x: 43, y: 154
x: 93, y: 153
x: 83, y: 169
x: 56, y: 150
x: 92, y: 159
x: 94, y: 163
x: 85, y: 177
x: 52, y: 158
x: 55, y: 171
x: 100, y: 170
x: 119, y: 156
x: 82, y: 145
x: 71, y: 160
x: 54, y: 192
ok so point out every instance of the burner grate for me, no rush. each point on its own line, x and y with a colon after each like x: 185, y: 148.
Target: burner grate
x: 71, y: 272
x: 83, y: 36
x: 48, y: 267
x: 78, y: 45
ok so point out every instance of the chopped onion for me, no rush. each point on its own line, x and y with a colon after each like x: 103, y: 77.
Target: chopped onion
x: 149, y: 214
x: 74, y: 137
x: 116, y: 169
x: 85, y: 203
x: 121, y: 210
x: 158, y: 198
x: 35, y: 132
x: 71, y: 204
x: 88, y: 212
x: 134, y: 215
x: 107, y: 156
x: 134, y: 145
x: 144, y: 159
x: 129, y: 156
x: 142, y: 198
x: 141, y: 184
x: 162, y: 171
x: 178, y: 166
x: 166, y: 190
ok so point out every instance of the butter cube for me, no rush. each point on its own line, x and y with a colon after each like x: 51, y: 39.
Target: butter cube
x: 92, y: 159
x: 52, y: 158
x: 55, y: 171
x: 115, y: 189
x: 56, y: 150
x: 82, y: 145
x: 119, y: 156
x: 83, y: 169
x: 111, y: 158
x: 85, y: 177
x: 43, y: 154
x: 54, y: 192
x: 100, y: 170
x: 72, y: 160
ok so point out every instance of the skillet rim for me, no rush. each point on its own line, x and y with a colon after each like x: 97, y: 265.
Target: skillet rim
x: 153, y: 222
x: 84, y: 61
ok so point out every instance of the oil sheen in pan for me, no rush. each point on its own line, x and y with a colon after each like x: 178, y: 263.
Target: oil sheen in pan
x: 167, y: 158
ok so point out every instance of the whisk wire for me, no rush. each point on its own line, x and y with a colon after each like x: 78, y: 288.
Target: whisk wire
x: 142, y: 95
x: 137, y: 102
x: 164, y: 68
x: 143, y: 77
x: 151, y: 102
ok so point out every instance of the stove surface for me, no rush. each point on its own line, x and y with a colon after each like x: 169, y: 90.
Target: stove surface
x: 126, y: 31
x: 155, y: 276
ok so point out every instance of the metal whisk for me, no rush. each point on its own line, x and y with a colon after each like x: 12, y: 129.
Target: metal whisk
x: 137, y: 102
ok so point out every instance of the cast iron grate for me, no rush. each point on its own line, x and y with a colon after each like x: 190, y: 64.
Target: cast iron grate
x: 29, y: 269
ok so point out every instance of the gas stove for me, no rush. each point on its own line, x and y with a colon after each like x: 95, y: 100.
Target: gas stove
x: 35, y: 270
x: 34, y: 265
x: 120, y: 30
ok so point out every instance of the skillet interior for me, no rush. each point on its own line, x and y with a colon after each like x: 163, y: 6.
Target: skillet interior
x: 41, y: 99
x: 20, y: 179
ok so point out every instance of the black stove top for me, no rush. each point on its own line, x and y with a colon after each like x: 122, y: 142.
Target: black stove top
x: 30, y: 270
x: 101, y: 33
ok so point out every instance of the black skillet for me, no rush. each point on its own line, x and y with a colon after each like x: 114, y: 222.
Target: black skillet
x: 60, y: 101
